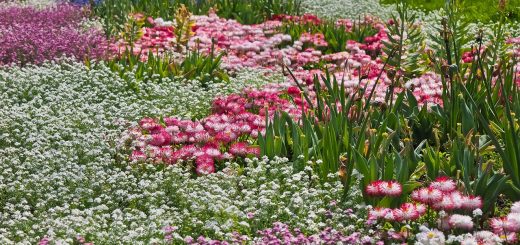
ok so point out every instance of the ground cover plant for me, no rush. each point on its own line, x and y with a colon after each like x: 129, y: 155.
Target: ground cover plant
x: 253, y: 122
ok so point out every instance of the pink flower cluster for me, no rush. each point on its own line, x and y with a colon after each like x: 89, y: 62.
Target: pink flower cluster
x: 224, y: 135
x: 247, y: 45
x: 30, y: 35
x: 427, y: 89
x: 384, y: 188
x: 304, y: 19
x: 442, y: 194
x: 507, y: 227
x: 407, y: 212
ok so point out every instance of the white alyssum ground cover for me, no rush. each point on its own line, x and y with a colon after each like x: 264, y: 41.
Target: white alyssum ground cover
x: 58, y: 128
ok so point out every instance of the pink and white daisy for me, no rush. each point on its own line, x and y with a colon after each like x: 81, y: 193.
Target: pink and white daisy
x: 427, y: 195
x: 471, y: 202
x: 138, y: 156
x: 161, y: 139
x: 239, y: 149
x: 205, y: 165
x: 390, y: 188
x: 421, y: 208
x: 446, y: 203
x: 503, y: 225
x: 444, y: 184
x: 458, y: 221
x: 378, y: 213
x: 486, y: 238
x: 514, y: 218
x: 374, y: 189
x: 407, y: 211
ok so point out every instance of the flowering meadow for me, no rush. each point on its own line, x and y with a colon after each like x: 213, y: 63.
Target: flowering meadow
x: 258, y: 122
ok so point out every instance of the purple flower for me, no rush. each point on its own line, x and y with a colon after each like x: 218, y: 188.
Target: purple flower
x: 29, y: 35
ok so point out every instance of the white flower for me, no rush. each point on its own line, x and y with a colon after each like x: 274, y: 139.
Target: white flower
x: 430, y: 237
x: 477, y: 212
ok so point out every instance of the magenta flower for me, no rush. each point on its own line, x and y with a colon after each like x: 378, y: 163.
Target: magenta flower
x: 28, y: 35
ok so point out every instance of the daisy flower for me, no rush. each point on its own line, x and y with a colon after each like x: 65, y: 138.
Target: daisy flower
x: 471, y: 202
x: 427, y: 195
x: 390, y: 188
x: 444, y: 184
x: 459, y: 221
x: 429, y: 237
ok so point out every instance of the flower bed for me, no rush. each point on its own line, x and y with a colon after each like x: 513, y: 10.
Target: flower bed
x: 196, y: 129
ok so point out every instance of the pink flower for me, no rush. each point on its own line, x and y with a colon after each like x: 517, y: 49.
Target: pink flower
x: 137, y: 156
x: 484, y: 237
x: 171, y: 121
x: 374, y: 189
x: 471, y: 202
x: 179, y: 138
x: 427, y: 195
x: 253, y: 150
x: 407, y: 211
x: 205, y: 165
x: 225, y: 137
x: 444, y: 184
x: 446, y: 203
x: 161, y: 139
x: 378, y: 213
x: 44, y: 241
x: 503, y: 225
x: 459, y: 221
x: 384, y: 188
x: 390, y: 188
x: 239, y: 149
x: 294, y: 91
x: 202, y: 137
x: 212, y: 151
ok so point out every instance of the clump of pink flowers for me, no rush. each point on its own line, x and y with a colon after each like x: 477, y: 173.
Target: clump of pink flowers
x: 225, y: 135
x: 442, y: 201
x: 507, y: 227
x: 442, y: 194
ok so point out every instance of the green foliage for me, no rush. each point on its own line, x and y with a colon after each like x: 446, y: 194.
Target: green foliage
x: 475, y: 114
x: 205, y: 68
x: 405, y: 37
x: 341, y: 133
x: 114, y: 12
x: 473, y: 11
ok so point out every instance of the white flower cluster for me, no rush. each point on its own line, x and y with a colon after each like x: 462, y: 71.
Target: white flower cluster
x: 27, y: 3
x: 349, y: 9
x: 251, y: 198
x: 58, y: 174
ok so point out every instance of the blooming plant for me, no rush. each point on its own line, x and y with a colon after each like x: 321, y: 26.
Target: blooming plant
x: 29, y: 35
x: 244, y: 122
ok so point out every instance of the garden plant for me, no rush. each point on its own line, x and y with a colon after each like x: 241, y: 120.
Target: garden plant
x: 259, y: 122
